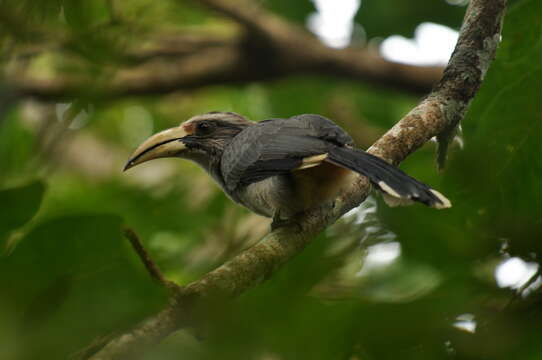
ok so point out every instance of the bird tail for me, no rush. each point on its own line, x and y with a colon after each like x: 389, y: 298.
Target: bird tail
x: 398, y: 188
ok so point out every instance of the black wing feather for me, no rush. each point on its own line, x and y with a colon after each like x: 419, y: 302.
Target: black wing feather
x: 276, y: 146
x: 381, y: 174
x: 262, y: 169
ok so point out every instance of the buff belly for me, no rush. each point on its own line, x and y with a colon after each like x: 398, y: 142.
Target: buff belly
x: 288, y: 195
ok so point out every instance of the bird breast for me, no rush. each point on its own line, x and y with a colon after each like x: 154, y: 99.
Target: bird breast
x: 269, y: 196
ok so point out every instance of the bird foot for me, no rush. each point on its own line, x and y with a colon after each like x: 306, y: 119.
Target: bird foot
x: 278, y: 223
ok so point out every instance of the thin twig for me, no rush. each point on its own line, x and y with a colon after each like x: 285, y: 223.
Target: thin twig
x: 146, y: 259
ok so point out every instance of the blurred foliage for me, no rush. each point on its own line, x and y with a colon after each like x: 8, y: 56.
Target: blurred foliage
x: 380, y: 18
x: 68, y: 276
x: 296, y: 11
x: 24, y: 202
x: 61, y: 279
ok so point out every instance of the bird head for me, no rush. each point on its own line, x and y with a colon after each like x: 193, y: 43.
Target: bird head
x: 202, y: 139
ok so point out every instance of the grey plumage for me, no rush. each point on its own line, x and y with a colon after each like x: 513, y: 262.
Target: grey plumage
x: 281, y: 167
x: 277, y: 147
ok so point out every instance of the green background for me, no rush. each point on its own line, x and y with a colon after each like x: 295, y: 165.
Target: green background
x: 68, y: 276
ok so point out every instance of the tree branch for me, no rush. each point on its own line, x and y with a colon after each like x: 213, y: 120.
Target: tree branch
x: 270, y: 48
x: 151, y: 267
x: 232, y: 62
x: 447, y: 104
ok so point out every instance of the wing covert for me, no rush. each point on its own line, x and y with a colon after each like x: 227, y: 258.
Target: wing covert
x: 277, y: 146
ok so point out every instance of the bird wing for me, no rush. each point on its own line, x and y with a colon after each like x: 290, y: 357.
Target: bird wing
x: 278, y: 146
x: 387, y: 178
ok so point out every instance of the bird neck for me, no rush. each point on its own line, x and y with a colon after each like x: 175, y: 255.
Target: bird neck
x: 210, y: 165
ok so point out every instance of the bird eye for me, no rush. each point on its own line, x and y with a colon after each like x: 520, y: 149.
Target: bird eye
x: 203, y: 128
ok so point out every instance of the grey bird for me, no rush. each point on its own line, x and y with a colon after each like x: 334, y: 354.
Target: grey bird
x: 280, y: 168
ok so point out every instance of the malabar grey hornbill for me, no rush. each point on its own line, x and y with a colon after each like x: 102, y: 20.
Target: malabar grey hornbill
x: 281, y: 167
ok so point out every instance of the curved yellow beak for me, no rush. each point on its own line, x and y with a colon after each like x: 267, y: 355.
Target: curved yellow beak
x: 167, y: 143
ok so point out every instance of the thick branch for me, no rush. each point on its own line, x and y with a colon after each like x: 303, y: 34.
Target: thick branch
x: 474, y: 51
x: 231, y: 63
x: 270, y: 49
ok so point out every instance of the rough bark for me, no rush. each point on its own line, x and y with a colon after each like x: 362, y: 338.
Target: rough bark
x: 443, y: 108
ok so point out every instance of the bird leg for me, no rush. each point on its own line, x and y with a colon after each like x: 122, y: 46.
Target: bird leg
x: 279, y: 222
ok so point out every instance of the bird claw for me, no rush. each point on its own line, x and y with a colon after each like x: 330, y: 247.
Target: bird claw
x: 278, y: 223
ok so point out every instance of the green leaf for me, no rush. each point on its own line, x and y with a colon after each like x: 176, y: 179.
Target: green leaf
x: 82, y: 14
x: 17, y: 147
x: 494, y: 184
x: 71, y: 280
x: 296, y: 11
x: 21, y: 204
x: 389, y: 17
x: 42, y: 11
x: 502, y: 129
